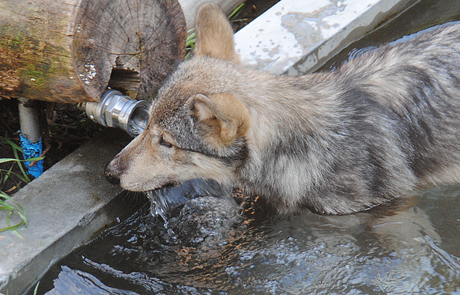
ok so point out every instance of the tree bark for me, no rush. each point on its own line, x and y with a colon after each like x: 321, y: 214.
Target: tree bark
x: 71, y: 51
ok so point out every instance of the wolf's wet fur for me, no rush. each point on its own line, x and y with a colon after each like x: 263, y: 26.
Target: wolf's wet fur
x: 340, y: 142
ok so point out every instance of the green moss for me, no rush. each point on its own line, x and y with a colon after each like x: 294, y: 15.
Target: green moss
x: 35, y: 61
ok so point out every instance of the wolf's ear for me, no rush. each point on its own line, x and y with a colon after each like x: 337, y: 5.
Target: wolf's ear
x: 221, y: 117
x: 214, y: 35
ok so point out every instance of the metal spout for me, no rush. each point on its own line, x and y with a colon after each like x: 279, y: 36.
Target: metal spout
x: 118, y: 110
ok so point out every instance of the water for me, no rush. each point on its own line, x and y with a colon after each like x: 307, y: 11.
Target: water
x: 408, y: 248
x: 168, y: 198
x: 196, y: 240
x: 197, y: 193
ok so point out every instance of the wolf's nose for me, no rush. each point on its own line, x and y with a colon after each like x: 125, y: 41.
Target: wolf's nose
x: 111, y: 177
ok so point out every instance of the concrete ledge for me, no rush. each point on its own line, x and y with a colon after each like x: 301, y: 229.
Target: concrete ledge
x: 65, y: 207
x: 297, y: 37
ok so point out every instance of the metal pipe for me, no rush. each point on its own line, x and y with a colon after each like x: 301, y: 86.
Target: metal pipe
x: 118, y: 110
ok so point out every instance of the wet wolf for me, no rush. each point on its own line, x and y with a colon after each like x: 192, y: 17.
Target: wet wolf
x: 337, y: 142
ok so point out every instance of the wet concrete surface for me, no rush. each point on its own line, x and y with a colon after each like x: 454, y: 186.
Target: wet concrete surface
x: 297, y: 37
x: 64, y: 207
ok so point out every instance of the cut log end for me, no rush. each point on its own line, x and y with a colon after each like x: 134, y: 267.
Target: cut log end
x: 131, y: 47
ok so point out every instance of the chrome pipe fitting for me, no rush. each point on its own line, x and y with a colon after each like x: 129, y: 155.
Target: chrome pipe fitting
x: 118, y: 110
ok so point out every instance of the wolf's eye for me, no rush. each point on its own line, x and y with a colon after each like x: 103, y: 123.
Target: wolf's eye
x: 163, y: 142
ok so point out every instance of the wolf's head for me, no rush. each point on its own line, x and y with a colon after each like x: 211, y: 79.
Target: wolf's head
x: 197, y: 126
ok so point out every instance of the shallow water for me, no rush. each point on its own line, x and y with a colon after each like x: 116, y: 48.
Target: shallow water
x: 412, y: 248
x: 207, y: 247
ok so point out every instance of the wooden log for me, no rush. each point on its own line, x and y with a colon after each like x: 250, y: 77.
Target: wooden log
x: 71, y: 51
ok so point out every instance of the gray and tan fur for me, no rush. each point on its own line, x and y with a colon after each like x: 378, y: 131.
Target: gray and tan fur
x: 384, y: 124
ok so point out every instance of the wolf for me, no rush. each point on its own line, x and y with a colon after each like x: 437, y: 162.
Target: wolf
x: 380, y: 127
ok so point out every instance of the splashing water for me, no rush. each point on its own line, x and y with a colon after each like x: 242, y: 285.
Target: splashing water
x: 157, y: 208
x: 166, y: 199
